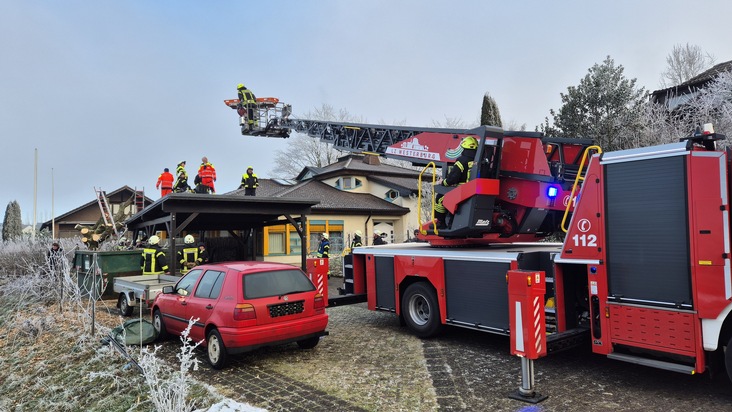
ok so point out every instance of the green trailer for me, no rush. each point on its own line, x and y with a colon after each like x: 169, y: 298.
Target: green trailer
x: 111, y: 264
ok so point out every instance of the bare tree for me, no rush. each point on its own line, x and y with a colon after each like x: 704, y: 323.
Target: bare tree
x: 685, y: 62
x: 303, y: 150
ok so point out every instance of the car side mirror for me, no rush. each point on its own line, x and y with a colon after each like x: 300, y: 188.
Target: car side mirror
x: 167, y: 289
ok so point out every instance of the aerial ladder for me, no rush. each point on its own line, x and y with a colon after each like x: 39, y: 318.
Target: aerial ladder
x: 521, y: 183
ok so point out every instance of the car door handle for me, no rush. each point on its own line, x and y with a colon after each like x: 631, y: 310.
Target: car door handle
x: 184, y: 303
x: 209, y: 306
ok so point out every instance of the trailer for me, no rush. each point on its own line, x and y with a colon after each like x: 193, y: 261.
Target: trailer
x: 140, y: 290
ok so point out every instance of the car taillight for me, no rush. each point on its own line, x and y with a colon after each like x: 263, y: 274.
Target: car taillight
x: 319, y: 303
x: 244, y: 311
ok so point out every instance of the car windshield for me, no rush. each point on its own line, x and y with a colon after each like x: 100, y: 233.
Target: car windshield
x: 275, y: 283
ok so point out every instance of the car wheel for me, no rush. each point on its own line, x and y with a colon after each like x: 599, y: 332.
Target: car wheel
x: 308, y: 343
x: 421, y: 311
x: 215, y: 351
x: 124, y: 308
x: 159, y: 325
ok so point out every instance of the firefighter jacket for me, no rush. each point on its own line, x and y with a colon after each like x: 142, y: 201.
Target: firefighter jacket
x: 202, y: 257
x: 153, y: 261
x: 356, y: 242
x: 323, y: 248
x: 208, y: 175
x: 187, y: 255
x: 249, y: 181
x: 165, y: 180
x: 459, y: 173
x: 246, y: 96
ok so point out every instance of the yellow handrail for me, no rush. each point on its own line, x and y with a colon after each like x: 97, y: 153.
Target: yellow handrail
x: 577, y: 180
x: 419, y: 196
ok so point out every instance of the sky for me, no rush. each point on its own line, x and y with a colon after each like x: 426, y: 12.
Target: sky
x: 108, y: 93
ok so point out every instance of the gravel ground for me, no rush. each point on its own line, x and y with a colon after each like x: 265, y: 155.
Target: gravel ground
x: 370, y: 363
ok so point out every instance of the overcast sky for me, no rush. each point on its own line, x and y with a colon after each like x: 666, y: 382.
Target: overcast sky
x: 111, y: 92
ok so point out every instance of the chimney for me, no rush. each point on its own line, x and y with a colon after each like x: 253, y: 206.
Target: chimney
x: 371, y: 159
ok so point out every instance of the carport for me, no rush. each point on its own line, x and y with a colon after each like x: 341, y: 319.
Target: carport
x: 191, y: 212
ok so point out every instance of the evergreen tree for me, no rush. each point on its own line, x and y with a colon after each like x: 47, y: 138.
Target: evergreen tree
x: 606, y: 107
x: 12, y: 224
x: 489, y: 114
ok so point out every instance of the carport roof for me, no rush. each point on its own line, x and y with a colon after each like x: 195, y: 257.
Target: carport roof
x: 219, y: 212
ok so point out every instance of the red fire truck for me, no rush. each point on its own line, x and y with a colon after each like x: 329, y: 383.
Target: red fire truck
x: 643, y: 274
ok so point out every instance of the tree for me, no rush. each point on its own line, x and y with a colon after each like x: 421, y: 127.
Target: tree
x: 685, y: 62
x: 12, y: 224
x: 303, y: 150
x: 606, y: 106
x: 489, y: 114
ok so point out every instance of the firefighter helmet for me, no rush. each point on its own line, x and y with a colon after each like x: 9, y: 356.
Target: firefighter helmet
x: 154, y: 240
x: 240, y: 86
x: 325, y: 236
x: 358, y: 233
x: 188, y: 239
x: 469, y: 142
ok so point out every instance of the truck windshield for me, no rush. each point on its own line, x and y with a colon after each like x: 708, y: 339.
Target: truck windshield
x: 275, y: 283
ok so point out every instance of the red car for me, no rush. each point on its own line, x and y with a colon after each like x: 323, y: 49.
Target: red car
x: 242, y: 306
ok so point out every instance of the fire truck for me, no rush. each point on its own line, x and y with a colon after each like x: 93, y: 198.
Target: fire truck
x: 643, y: 274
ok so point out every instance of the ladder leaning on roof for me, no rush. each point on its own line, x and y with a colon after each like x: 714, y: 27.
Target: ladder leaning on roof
x: 139, y: 199
x: 107, y: 215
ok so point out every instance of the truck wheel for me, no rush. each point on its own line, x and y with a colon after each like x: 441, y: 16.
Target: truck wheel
x: 421, y: 311
x: 308, y: 343
x: 159, y: 325
x: 124, y: 308
x: 216, y: 351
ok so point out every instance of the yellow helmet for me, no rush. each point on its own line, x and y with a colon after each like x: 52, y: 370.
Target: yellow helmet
x: 469, y: 142
x: 239, y: 86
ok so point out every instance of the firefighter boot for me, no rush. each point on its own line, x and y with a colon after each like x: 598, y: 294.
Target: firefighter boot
x: 440, y: 218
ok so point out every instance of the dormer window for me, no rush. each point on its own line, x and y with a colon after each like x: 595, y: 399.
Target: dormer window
x: 392, y: 194
x: 348, y: 183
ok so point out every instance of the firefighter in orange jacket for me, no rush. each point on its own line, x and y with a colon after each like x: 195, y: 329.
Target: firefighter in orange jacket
x: 165, y: 182
x: 207, y: 173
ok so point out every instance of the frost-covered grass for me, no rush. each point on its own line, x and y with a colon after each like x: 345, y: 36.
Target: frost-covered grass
x: 49, y: 358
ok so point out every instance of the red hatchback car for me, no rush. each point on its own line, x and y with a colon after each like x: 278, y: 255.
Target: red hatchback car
x: 242, y: 306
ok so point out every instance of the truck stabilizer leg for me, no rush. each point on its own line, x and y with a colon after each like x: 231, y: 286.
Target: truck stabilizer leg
x: 526, y: 392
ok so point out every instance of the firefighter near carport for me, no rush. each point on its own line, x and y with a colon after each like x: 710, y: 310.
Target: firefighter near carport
x: 188, y: 256
x: 324, y: 249
x: 153, y: 261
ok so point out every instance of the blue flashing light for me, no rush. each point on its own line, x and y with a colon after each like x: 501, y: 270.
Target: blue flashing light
x: 552, y: 192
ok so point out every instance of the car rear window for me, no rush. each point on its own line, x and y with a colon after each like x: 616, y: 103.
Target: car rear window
x: 275, y: 283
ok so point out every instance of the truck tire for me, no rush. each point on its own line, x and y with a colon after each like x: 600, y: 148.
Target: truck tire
x: 215, y: 350
x: 124, y: 308
x: 159, y: 325
x: 421, y: 311
x: 728, y: 358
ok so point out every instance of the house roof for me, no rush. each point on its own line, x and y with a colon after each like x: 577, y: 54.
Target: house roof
x: 404, y: 185
x: 331, y: 199
x: 695, y: 82
x: 92, y: 203
x: 357, y: 164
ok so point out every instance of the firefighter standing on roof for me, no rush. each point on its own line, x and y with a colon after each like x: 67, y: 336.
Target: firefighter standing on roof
x: 188, y: 256
x: 249, y: 182
x: 458, y: 174
x: 153, y: 261
x: 181, y: 182
x: 249, y: 101
x: 207, y: 173
x: 165, y: 182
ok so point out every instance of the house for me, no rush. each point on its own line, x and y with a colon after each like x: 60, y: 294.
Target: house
x: 357, y: 192
x: 89, y: 213
x: 676, y: 96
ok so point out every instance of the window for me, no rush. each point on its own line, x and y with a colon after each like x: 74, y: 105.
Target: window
x: 275, y: 283
x: 295, y: 243
x: 392, y: 194
x: 348, y: 183
x: 277, y: 242
x: 210, y: 285
x: 185, y: 285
